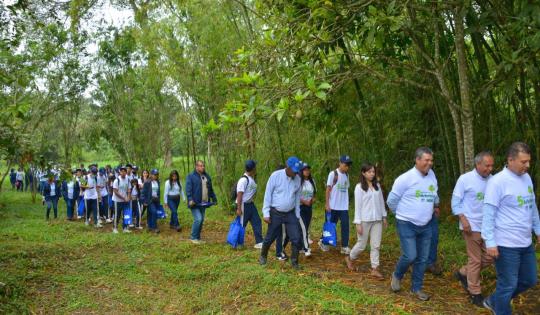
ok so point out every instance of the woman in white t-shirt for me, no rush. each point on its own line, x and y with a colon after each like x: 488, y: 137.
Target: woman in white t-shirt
x: 369, y: 217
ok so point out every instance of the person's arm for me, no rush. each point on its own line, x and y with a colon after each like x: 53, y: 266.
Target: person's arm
x: 392, y: 201
x: 166, y: 192
x: 267, y: 203
x: 358, y: 204
x: 329, y: 184
x: 297, y: 201
x: 536, y: 222
x: 189, y: 191
x: 488, y: 228
x: 398, y: 189
x: 240, y: 187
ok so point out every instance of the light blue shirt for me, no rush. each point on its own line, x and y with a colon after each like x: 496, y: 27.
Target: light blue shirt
x: 468, y: 198
x: 282, y: 193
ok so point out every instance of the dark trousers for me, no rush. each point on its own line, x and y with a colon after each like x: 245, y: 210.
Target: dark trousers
x: 119, y: 208
x: 306, y: 213
x: 104, y: 207
x: 91, y: 206
x: 342, y: 216
x: 152, y: 216
x: 70, y: 207
x: 290, y: 221
x: 251, y: 215
x: 432, y: 259
x: 136, y: 212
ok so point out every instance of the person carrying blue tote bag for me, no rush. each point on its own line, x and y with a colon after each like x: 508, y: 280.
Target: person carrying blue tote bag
x: 236, y: 233
x: 329, y: 232
x: 80, y: 208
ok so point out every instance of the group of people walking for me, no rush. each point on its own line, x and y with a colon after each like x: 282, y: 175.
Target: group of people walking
x: 120, y: 196
x: 497, y: 214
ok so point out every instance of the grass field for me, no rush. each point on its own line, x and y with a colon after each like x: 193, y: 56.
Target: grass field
x: 65, y: 267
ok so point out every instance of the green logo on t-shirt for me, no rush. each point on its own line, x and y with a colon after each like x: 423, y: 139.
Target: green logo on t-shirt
x: 530, y: 189
x: 418, y: 193
x: 431, y: 188
x: 520, y: 201
x: 479, y: 196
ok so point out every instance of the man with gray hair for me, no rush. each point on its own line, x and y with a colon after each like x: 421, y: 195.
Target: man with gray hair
x: 467, y: 203
x: 510, y: 215
x: 414, y: 200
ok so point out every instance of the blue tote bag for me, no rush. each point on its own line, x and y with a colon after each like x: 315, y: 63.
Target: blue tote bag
x: 329, y: 232
x: 80, y: 208
x: 128, y: 220
x: 161, y: 214
x: 236, y: 233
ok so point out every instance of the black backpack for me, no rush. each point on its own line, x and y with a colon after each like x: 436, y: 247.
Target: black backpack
x: 234, y: 193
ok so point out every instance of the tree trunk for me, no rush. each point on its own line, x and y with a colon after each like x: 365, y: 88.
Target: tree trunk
x: 464, y: 89
x: 8, y: 166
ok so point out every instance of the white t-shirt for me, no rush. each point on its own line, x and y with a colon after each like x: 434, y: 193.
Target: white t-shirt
x: 53, y: 189
x: 70, y: 189
x: 155, y: 187
x: 339, y: 195
x: 20, y: 176
x: 470, y: 188
x: 249, y: 188
x: 91, y: 191
x: 122, y: 184
x: 102, y: 182
x: 418, y: 194
x: 513, y: 196
x: 307, y: 191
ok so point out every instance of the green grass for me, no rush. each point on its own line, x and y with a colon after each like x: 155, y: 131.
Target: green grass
x: 65, y: 267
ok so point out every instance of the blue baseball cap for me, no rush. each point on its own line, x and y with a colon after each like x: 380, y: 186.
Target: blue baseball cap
x: 345, y: 159
x: 294, y: 164
x: 250, y: 165
x: 154, y: 171
x: 102, y: 170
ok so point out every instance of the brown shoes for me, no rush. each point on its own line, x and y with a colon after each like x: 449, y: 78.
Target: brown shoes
x: 375, y: 273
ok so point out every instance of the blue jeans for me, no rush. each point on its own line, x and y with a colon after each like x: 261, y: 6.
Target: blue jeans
x: 91, y: 206
x: 135, y: 213
x: 432, y: 259
x: 198, y: 220
x: 516, y: 272
x: 173, y: 205
x: 252, y: 215
x: 70, y: 207
x: 119, y: 208
x: 342, y: 216
x: 415, y: 242
x: 52, y: 203
x: 152, y: 216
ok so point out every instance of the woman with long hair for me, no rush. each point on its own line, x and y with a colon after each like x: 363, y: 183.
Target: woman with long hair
x: 369, y: 217
x: 145, y: 176
x: 171, y: 198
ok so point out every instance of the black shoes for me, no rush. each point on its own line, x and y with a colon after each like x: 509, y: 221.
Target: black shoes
x: 477, y: 299
x: 462, y: 279
x: 262, y: 260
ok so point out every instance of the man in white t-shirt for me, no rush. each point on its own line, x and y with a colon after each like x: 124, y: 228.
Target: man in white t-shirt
x: 121, y: 198
x: 414, y: 200
x: 91, y: 196
x: 337, y: 201
x: 246, y: 188
x: 467, y: 202
x: 510, y: 216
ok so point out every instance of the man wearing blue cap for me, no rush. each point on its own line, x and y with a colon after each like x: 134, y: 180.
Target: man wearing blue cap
x: 246, y: 188
x: 337, y: 201
x: 282, y: 206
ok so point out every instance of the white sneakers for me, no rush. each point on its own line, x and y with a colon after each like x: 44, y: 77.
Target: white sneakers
x: 115, y: 231
x: 345, y: 250
x: 258, y: 246
x: 86, y: 222
x: 307, y: 253
x: 198, y: 242
x: 108, y: 221
x: 139, y: 227
x: 99, y: 225
x: 323, y: 247
x: 126, y: 231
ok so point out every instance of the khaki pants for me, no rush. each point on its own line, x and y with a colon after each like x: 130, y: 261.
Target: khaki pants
x: 478, y: 260
x: 373, y: 230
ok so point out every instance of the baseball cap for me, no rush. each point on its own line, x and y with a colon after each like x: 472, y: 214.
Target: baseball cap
x: 345, y: 159
x: 154, y: 171
x: 250, y: 165
x: 294, y: 164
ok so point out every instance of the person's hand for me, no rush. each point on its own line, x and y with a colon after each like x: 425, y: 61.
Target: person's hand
x: 191, y: 203
x: 166, y: 206
x: 493, y: 252
x: 239, y: 211
x: 311, y: 202
x: 437, y: 211
x: 465, y: 223
x: 267, y: 220
x: 537, y: 241
x: 385, y: 223
x: 359, y: 229
x: 327, y: 207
